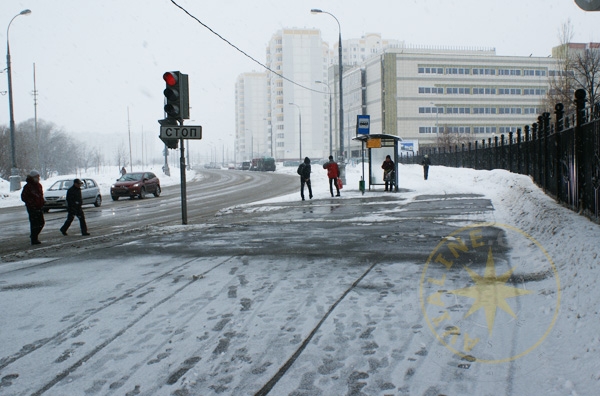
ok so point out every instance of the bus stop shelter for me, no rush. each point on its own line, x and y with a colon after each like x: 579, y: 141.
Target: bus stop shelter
x: 379, y: 146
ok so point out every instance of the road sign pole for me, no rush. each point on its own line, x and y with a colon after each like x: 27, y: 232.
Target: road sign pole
x: 183, y: 183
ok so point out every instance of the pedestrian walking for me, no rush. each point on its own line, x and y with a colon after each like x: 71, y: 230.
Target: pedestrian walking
x: 124, y: 171
x: 388, y: 172
x: 304, y: 172
x: 33, y: 196
x: 426, y: 162
x: 333, y: 172
x: 74, y: 202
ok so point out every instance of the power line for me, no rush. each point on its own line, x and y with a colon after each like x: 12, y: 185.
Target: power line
x: 242, y: 51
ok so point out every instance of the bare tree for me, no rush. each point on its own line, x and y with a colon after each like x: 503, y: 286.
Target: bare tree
x: 121, y: 156
x: 586, y: 72
x: 561, y: 80
x: 451, y: 140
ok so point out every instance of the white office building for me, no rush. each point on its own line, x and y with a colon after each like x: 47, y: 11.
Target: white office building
x: 418, y: 93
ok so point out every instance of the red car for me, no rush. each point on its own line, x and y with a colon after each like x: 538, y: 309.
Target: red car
x: 135, y: 184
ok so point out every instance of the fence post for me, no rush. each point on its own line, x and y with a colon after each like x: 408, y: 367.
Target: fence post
x: 510, y: 139
x: 519, y: 150
x: 580, y: 182
x: 529, y: 139
x: 531, y: 149
x: 546, y: 135
x: 560, y: 113
x: 471, y: 155
x: 559, y: 110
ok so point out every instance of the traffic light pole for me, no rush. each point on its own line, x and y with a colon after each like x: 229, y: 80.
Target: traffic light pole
x: 183, y: 182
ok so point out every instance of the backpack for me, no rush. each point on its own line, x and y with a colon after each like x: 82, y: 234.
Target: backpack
x: 300, y: 169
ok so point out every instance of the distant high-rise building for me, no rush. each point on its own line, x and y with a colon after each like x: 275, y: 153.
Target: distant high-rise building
x: 300, y: 57
x: 252, y: 130
x: 356, y: 51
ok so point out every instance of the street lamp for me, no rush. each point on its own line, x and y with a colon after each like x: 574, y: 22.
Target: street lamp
x: 330, y: 133
x: 340, y: 72
x: 300, y: 123
x: 437, y: 112
x: 15, y: 179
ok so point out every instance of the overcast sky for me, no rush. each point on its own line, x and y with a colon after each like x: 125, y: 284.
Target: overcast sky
x: 96, y: 58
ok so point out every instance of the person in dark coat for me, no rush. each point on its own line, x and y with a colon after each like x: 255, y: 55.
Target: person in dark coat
x: 33, y: 196
x: 304, y: 172
x: 74, y: 202
x: 388, y: 169
x: 426, y: 162
x: 333, y: 172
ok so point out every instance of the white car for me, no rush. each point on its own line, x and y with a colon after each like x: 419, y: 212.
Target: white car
x: 56, y: 196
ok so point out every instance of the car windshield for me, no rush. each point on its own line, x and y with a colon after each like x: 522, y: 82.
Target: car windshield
x: 61, y: 185
x: 131, y: 177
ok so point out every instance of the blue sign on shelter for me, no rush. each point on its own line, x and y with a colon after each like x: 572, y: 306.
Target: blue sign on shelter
x: 363, y: 124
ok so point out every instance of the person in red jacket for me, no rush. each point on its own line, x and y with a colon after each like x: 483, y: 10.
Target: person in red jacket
x: 333, y: 172
x: 33, y: 196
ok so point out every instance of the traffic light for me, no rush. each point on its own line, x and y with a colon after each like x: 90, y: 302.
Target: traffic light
x: 177, y: 106
x: 176, y: 96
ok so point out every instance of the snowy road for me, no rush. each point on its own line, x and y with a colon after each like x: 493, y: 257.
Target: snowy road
x: 216, y: 190
x: 267, y: 302
x: 367, y: 295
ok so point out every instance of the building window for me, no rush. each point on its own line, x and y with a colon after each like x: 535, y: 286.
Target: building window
x: 509, y: 72
x: 457, y: 70
x: 484, y: 72
x: 431, y: 90
x: 430, y: 110
x: 486, y: 129
x: 534, y: 91
x: 431, y: 70
x: 458, y: 110
x: 458, y: 91
x: 534, y: 72
x: 510, y: 110
x: 509, y: 91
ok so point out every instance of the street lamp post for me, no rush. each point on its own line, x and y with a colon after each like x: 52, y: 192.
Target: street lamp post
x: 15, y: 179
x: 300, y: 124
x: 330, y: 132
x: 437, y: 112
x: 340, y: 72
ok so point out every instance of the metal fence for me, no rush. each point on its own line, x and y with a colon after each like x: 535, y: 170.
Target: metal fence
x: 562, y: 155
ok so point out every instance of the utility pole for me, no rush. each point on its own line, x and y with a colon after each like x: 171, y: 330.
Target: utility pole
x: 35, y: 126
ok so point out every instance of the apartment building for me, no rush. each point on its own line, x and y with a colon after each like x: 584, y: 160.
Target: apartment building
x: 252, y: 135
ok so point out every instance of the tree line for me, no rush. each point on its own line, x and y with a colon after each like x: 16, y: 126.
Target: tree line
x: 47, y: 148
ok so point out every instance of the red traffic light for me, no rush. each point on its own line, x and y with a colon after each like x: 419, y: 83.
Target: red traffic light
x: 170, y: 78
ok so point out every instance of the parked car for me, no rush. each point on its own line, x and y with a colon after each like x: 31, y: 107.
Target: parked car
x: 135, y: 184
x: 56, y: 196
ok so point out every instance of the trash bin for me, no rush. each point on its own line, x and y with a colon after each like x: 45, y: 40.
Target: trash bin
x: 361, y: 186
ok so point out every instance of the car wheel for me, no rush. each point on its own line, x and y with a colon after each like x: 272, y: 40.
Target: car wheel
x: 46, y: 210
x: 114, y: 198
x: 98, y: 201
x: 157, y: 191
x: 143, y: 193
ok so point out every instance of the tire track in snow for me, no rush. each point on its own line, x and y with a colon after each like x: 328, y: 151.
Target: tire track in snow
x: 286, y: 366
x: 35, y: 345
x: 59, y: 377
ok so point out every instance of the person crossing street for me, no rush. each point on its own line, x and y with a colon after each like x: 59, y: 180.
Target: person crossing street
x: 33, y: 196
x: 333, y: 172
x: 74, y: 202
